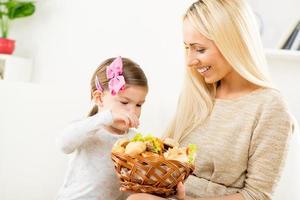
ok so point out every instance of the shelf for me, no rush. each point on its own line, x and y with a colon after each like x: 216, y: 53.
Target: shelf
x: 7, y: 56
x: 15, y: 68
x: 283, y: 54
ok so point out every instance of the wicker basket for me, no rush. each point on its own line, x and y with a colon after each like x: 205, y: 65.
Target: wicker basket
x: 154, y: 174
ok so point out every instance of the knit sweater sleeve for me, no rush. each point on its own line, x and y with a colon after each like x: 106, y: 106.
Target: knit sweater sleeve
x: 267, y: 150
x: 77, y: 132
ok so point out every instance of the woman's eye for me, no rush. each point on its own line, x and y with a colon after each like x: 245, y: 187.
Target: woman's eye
x: 200, y: 50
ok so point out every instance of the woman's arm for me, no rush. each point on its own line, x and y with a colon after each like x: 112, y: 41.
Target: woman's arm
x: 77, y: 132
x: 181, y: 195
x: 228, y: 197
x: 267, y: 152
x: 145, y: 196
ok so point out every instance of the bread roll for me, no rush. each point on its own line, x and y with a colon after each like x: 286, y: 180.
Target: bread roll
x: 135, y: 148
x: 122, y: 142
x: 179, y: 154
x: 169, y: 142
x: 118, y: 149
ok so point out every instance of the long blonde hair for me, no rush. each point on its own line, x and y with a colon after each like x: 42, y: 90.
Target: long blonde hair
x: 231, y: 25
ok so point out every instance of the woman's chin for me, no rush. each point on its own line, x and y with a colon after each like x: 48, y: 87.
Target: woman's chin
x: 211, y: 79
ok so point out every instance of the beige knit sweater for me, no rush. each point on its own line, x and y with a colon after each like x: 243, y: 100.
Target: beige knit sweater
x: 241, y: 147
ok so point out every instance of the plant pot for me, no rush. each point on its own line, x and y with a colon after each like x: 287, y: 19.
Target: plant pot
x: 7, y: 46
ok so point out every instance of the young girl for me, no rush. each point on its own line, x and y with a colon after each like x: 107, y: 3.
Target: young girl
x: 118, y: 89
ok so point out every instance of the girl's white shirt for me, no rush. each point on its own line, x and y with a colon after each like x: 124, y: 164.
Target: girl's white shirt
x: 90, y: 175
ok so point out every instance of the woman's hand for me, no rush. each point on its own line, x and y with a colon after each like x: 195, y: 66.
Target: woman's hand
x: 180, y: 191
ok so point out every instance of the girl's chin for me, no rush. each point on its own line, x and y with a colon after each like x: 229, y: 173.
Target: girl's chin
x: 117, y: 130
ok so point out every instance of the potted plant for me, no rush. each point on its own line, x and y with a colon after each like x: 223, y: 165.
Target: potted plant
x: 10, y: 10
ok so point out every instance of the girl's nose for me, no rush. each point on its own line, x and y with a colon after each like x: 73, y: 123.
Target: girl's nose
x: 133, y: 110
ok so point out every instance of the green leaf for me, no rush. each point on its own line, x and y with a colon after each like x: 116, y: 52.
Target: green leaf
x: 149, y: 138
x: 19, y: 9
x: 155, y: 143
x: 138, y: 137
x: 192, y: 148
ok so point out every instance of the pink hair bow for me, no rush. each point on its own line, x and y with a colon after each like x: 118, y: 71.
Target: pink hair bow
x: 114, y: 73
x: 98, y: 85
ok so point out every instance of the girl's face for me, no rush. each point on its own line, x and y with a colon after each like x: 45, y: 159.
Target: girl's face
x: 129, y: 100
x: 203, y: 55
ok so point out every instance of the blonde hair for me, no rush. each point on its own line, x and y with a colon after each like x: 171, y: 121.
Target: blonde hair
x: 133, y: 75
x: 231, y: 25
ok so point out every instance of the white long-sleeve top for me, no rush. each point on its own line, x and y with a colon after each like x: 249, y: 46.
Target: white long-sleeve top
x: 90, y: 175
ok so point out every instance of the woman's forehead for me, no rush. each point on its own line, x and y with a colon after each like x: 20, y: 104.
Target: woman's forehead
x: 191, y: 36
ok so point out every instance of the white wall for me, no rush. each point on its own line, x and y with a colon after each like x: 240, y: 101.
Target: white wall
x: 277, y: 17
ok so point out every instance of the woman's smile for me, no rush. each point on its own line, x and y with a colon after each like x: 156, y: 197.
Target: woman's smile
x: 203, y: 70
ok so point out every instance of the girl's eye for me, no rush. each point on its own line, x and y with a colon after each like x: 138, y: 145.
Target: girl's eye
x: 138, y: 105
x: 124, y: 102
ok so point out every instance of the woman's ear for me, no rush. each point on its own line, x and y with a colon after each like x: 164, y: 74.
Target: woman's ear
x: 98, y: 98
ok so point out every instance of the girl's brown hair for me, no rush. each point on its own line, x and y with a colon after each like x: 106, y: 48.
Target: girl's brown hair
x: 132, y: 73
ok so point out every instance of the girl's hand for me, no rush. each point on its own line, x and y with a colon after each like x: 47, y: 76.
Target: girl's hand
x: 180, y: 191
x: 123, y: 120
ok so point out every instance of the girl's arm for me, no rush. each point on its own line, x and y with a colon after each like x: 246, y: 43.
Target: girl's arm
x: 77, y: 132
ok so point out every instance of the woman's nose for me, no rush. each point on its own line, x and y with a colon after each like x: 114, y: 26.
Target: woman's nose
x: 191, y: 59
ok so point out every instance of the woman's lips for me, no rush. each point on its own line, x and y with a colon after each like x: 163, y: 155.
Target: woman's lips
x: 203, y: 70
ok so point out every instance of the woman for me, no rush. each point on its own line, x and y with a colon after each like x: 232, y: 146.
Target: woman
x: 228, y: 107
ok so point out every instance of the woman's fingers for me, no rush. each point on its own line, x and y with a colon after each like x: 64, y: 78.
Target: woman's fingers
x: 180, y: 191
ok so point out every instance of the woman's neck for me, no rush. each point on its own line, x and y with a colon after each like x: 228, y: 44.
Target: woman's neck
x: 234, y: 86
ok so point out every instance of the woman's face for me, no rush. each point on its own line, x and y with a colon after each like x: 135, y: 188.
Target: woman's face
x: 203, y: 55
